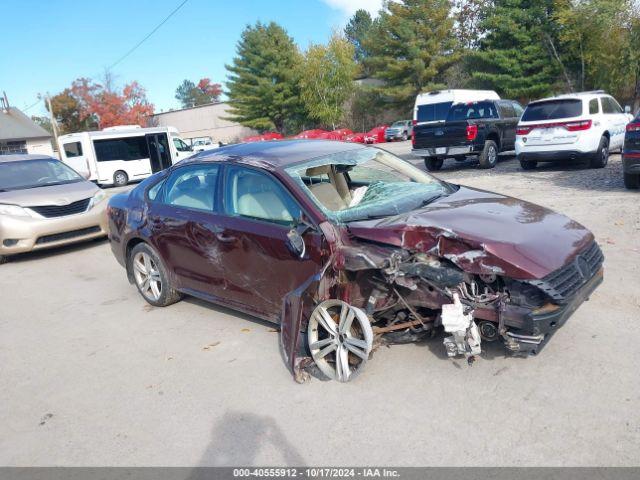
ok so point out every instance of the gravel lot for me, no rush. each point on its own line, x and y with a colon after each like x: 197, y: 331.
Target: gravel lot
x: 91, y: 375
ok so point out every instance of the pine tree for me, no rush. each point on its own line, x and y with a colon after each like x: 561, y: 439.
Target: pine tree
x: 516, y: 56
x: 262, y: 83
x: 411, y: 47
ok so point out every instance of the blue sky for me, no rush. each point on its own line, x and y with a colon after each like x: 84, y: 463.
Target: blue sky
x: 47, y: 44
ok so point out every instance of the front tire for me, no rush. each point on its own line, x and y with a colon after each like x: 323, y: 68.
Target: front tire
x: 631, y: 181
x: 120, y: 178
x: 602, y: 155
x: 489, y: 156
x: 3, y: 259
x: 433, y: 164
x: 405, y: 137
x: 151, y: 277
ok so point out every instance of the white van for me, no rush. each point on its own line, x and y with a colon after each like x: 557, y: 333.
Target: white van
x: 117, y: 155
x: 434, y: 106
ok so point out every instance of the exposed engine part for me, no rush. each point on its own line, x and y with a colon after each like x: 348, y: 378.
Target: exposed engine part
x: 434, y: 270
x: 465, y: 337
x: 340, y: 339
x: 488, y: 277
x: 488, y: 331
x: 471, y: 291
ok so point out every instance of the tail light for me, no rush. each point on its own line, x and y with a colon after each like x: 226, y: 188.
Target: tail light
x: 414, y: 122
x: 472, y: 132
x: 413, y: 140
x: 633, y: 127
x: 576, y: 126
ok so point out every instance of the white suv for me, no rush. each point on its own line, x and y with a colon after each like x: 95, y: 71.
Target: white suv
x: 580, y: 126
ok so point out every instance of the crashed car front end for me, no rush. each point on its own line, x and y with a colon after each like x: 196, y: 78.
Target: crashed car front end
x: 477, y: 265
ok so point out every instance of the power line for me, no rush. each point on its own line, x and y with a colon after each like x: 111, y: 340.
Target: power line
x: 32, y: 105
x: 145, y: 38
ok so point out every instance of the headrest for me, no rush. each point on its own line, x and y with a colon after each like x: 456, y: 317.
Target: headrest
x: 189, y: 184
x: 315, y: 171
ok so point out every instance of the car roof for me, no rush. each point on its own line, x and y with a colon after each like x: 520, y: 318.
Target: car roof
x: 18, y: 157
x: 574, y: 96
x: 275, y: 154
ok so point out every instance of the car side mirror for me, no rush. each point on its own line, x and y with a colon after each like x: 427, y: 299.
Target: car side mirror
x: 295, y: 241
x: 627, y: 109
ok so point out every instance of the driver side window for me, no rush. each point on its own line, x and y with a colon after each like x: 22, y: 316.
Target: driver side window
x: 255, y: 195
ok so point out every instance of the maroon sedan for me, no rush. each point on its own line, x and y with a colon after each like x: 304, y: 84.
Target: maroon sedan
x: 347, y: 246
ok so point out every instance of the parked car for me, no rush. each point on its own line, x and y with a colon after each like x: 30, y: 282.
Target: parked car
x: 376, y: 134
x: 434, y: 106
x: 265, y: 137
x: 311, y: 134
x: 483, y: 128
x: 44, y: 203
x: 357, y: 137
x: 400, y: 130
x: 582, y: 126
x: 118, y: 155
x: 631, y: 154
x: 201, y: 144
x: 341, y: 243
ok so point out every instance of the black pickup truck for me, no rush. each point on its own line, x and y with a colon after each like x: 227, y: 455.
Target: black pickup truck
x: 483, y: 128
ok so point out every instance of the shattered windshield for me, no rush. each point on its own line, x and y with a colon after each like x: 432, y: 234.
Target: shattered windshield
x: 366, y: 183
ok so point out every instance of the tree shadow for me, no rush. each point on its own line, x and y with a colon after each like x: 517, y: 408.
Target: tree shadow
x: 238, y: 438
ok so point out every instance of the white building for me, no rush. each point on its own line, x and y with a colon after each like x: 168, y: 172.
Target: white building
x: 19, y: 134
x: 203, y: 121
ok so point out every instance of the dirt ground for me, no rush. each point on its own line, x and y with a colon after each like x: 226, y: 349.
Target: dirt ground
x: 91, y: 375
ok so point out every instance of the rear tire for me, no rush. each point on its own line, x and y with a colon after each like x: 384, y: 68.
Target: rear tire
x: 150, y: 276
x: 528, y: 164
x: 631, y: 181
x: 120, y: 178
x: 3, y: 259
x: 405, y: 137
x: 433, y: 164
x: 601, y: 157
x: 489, y: 156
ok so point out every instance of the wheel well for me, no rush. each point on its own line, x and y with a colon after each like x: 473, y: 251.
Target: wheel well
x: 130, y: 246
x: 606, y: 134
x: 494, y: 136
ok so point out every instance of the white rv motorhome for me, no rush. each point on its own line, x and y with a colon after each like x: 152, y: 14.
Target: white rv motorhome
x: 118, y: 155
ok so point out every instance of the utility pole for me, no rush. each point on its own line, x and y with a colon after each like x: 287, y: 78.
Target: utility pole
x: 54, y: 124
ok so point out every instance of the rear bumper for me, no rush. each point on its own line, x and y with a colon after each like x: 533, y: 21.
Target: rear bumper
x: 542, y: 323
x: 24, y: 234
x: 445, y: 151
x: 631, y: 163
x: 554, y: 156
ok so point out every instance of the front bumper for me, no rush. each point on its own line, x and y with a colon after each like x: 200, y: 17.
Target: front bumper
x: 25, y: 234
x: 542, y: 323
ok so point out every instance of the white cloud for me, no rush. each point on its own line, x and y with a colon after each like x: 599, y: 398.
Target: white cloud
x: 349, y: 7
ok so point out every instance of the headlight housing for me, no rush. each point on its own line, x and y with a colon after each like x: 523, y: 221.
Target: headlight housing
x: 13, y: 210
x: 97, y: 198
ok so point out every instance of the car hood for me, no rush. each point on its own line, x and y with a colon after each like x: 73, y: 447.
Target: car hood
x: 50, y: 195
x: 483, y: 232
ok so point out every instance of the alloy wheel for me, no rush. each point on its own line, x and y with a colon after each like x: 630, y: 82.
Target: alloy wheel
x: 147, y: 275
x: 340, y: 339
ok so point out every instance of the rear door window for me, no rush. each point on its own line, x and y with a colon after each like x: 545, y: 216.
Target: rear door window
x: 472, y: 111
x: 72, y: 149
x: 192, y: 187
x: 594, y: 106
x: 552, y: 110
x: 433, y: 112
